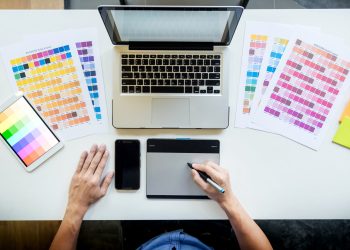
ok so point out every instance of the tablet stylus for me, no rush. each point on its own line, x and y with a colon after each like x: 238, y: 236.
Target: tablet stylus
x: 207, y: 178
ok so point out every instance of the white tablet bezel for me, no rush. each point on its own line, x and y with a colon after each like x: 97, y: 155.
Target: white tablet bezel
x: 44, y: 157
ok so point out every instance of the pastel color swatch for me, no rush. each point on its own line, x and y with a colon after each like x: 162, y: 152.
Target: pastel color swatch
x: 255, y: 57
x: 307, y: 87
x: 342, y: 137
x: 25, y: 132
x: 88, y: 64
x: 50, y: 80
x: 346, y: 112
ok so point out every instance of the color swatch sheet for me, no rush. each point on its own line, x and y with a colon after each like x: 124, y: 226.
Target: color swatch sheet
x: 25, y: 132
x: 262, y: 40
x: 305, y: 93
x: 85, y: 43
x: 49, y: 74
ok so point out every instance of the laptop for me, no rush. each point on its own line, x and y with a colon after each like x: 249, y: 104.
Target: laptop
x: 172, y: 65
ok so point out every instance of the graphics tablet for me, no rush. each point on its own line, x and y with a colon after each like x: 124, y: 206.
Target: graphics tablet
x: 26, y: 134
x: 168, y: 175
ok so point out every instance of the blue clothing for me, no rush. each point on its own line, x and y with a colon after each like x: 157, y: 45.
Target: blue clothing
x: 175, y: 240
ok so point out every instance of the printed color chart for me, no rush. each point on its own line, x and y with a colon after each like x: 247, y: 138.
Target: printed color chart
x: 87, y: 60
x: 256, y: 55
x: 307, y: 87
x: 25, y: 132
x: 49, y: 79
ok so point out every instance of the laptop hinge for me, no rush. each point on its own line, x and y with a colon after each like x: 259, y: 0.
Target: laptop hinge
x: 170, y: 46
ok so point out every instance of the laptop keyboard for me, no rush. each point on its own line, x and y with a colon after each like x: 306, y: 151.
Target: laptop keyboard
x: 170, y: 73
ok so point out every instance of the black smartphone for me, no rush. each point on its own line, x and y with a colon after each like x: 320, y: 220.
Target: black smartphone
x: 127, y: 164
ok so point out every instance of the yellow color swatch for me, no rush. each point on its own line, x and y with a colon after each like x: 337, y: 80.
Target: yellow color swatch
x: 346, y: 112
x: 342, y: 137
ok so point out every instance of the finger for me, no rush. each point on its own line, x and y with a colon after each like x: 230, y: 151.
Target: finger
x: 214, y: 165
x: 214, y: 174
x: 81, y: 161
x: 102, y: 164
x: 106, y: 182
x: 97, y: 158
x: 198, y: 180
x: 89, y: 158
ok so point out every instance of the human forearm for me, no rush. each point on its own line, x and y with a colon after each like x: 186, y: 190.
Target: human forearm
x: 248, y: 233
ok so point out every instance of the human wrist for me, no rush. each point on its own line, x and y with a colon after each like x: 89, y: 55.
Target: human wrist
x: 230, y: 202
x: 75, y: 212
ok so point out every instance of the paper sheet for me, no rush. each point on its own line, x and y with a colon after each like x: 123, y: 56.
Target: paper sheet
x: 342, y: 137
x: 49, y: 73
x: 306, y: 91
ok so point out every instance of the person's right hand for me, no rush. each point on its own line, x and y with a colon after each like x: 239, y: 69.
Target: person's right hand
x: 220, y: 176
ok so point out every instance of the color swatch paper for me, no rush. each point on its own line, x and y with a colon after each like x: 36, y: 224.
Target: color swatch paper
x: 49, y: 74
x: 305, y: 93
x: 342, y: 137
x: 25, y: 132
x: 345, y: 113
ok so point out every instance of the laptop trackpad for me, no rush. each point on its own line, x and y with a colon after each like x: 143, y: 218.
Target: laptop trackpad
x: 171, y: 112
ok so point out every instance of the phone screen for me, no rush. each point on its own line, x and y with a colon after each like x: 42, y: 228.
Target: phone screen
x: 127, y: 164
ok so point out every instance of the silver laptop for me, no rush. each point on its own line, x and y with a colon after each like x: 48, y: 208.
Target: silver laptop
x: 172, y: 65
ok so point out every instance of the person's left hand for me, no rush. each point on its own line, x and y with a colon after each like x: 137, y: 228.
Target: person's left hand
x: 85, y: 188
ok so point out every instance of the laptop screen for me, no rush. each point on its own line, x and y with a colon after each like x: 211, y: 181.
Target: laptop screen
x: 170, y: 24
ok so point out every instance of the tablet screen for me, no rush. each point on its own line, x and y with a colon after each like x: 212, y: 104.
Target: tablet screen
x: 25, y: 132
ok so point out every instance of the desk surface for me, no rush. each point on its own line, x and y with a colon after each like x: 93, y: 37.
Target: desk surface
x: 274, y: 178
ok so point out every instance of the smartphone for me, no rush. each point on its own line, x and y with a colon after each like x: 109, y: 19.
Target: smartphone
x: 127, y: 164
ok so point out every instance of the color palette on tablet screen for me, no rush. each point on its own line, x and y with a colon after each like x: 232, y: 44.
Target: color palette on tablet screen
x: 308, y: 86
x: 50, y: 80
x: 256, y: 53
x: 25, y: 132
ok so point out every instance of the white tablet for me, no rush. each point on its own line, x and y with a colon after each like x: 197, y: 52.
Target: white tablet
x: 25, y: 133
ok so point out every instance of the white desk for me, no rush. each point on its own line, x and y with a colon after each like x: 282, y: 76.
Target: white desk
x: 266, y: 172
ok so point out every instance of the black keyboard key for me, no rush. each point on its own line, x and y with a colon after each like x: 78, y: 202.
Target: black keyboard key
x: 173, y: 82
x: 153, y: 82
x: 184, y: 75
x: 159, y: 61
x: 205, y: 76
x: 216, y: 69
x: 171, y: 75
x: 182, y: 56
x: 195, y: 69
x: 209, y: 90
x: 124, y: 61
x: 179, y: 62
x: 138, y: 61
x: 188, y: 89
x: 166, y: 62
x: 126, y: 68
x: 145, y: 89
x: 128, y: 82
x: 152, y: 62
x: 172, y: 62
x: 142, y: 68
x: 203, y: 69
x: 198, y: 76
x: 145, y: 56
x: 217, y: 56
x: 131, y: 89
x: 180, y: 82
x: 202, y: 91
x: 124, y: 56
x: 193, y: 62
x: 134, y: 68
x: 210, y: 69
x: 138, y: 56
x: 136, y: 75
x: 214, y: 76
x: 166, y: 56
x: 131, y: 61
x: 189, y: 56
x: 146, y: 82
x: 207, y: 62
x: 183, y: 69
x: 189, y: 69
x: 164, y: 75
x: 153, y: 56
x: 174, y: 56
x: 210, y: 56
x: 148, y: 68
x: 187, y: 82
x: 169, y: 69
x: 201, y: 82
x: 202, y: 56
x: 168, y: 89
x: 139, y: 82
x: 177, y: 75
x: 191, y: 75
x: 215, y: 62
x: 167, y: 82
x: 200, y: 62
x: 138, y: 89
x: 124, y: 89
x: 212, y: 82
x: 144, y: 61
x: 186, y: 62
x: 159, y: 56
x: 149, y: 75
x: 196, y: 90
x: 143, y: 75
x: 155, y: 68
x: 157, y: 75
x: 194, y: 82
x: 162, y: 69
x: 131, y: 56
x: 216, y: 91
x: 160, y: 82
x: 195, y: 56
x: 176, y: 68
